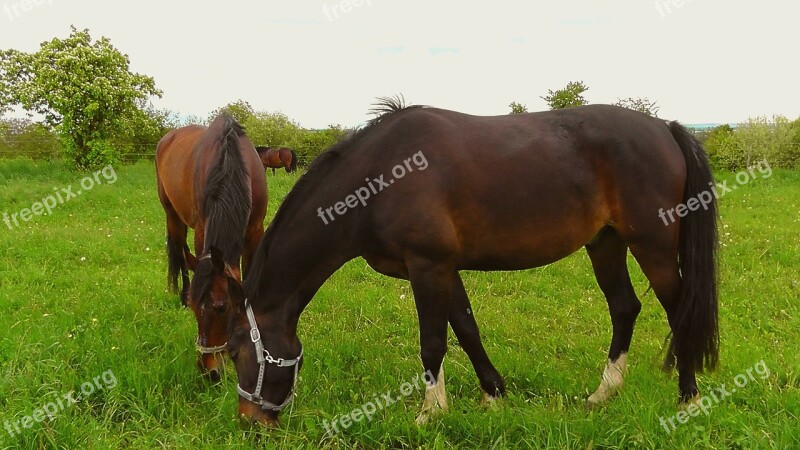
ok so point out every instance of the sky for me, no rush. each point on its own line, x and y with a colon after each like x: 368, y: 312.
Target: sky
x: 324, y: 62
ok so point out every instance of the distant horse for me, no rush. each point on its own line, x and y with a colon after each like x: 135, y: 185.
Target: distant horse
x: 277, y: 157
x: 408, y: 194
x: 211, y: 180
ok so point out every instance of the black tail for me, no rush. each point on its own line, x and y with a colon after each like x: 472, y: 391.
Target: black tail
x: 695, y: 332
x: 176, y: 262
x: 293, y: 166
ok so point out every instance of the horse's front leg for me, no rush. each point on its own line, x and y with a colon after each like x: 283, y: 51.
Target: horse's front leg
x: 432, y: 284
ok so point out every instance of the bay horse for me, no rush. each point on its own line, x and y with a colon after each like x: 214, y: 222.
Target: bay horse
x: 277, y: 157
x: 407, y: 193
x: 210, y: 180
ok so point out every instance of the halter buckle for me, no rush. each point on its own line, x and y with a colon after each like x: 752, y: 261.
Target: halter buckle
x: 255, y: 335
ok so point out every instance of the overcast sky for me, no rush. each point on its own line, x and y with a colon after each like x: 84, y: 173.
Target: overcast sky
x: 321, y: 62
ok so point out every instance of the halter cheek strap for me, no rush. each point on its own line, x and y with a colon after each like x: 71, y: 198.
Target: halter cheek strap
x: 203, y: 350
x: 265, y: 358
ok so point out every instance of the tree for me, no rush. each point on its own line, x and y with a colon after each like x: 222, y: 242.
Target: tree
x: 83, y: 88
x: 272, y: 129
x: 146, y: 128
x: 571, y: 95
x: 719, y: 143
x: 757, y: 139
x: 643, y: 105
x: 315, y: 142
x: 517, y: 108
x: 22, y: 137
x: 240, y: 110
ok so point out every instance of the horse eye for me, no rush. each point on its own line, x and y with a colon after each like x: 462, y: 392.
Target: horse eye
x: 232, y: 352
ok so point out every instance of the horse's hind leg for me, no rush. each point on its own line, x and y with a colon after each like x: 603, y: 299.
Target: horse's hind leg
x: 464, y: 326
x: 177, y: 253
x: 608, y: 255
x: 661, y: 269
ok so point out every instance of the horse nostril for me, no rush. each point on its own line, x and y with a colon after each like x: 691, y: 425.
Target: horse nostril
x: 213, y: 374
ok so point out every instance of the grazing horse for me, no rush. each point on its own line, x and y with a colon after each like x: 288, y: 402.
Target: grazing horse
x: 210, y: 180
x: 277, y: 157
x: 408, y: 194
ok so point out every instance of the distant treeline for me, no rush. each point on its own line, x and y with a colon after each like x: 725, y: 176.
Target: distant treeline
x: 775, y: 139
x: 29, y: 139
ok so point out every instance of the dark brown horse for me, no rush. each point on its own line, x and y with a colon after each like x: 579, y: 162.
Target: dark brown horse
x: 409, y: 194
x: 277, y: 157
x: 210, y: 179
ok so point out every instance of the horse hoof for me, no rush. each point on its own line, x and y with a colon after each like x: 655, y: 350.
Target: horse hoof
x: 425, y: 416
x: 489, y: 401
x: 683, y: 406
x: 590, y: 404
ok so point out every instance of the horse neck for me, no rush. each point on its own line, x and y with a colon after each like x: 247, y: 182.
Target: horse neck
x: 301, y: 256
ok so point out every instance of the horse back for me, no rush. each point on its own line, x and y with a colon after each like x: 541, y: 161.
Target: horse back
x: 175, y: 171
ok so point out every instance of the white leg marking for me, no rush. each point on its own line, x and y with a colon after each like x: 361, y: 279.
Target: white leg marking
x: 488, y: 401
x: 613, y: 379
x: 693, y: 401
x: 435, y: 399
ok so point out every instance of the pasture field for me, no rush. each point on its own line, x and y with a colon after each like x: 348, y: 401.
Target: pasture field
x: 83, y: 302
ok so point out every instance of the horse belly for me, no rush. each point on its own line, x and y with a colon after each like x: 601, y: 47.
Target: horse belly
x: 524, y: 242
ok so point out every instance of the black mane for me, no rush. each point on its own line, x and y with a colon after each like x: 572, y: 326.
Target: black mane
x: 383, y: 108
x: 226, y: 204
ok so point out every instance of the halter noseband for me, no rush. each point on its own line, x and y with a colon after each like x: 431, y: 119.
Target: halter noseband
x: 265, y: 358
x: 203, y: 350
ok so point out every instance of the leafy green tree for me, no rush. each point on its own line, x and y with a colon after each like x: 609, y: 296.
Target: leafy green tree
x: 83, y: 88
x: 759, y: 138
x: 719, y: 141
x: 517, y: 108
x: 643, y: 105
x: 315, y: 142
x: 569, y: 96
x: 147, y: 127
x: 22, y: 137
x: 240, y: 110
x: 272, y: 129
x: 795, y: 133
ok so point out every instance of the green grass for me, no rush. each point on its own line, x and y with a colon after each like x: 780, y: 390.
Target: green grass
x: 83, y: 291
